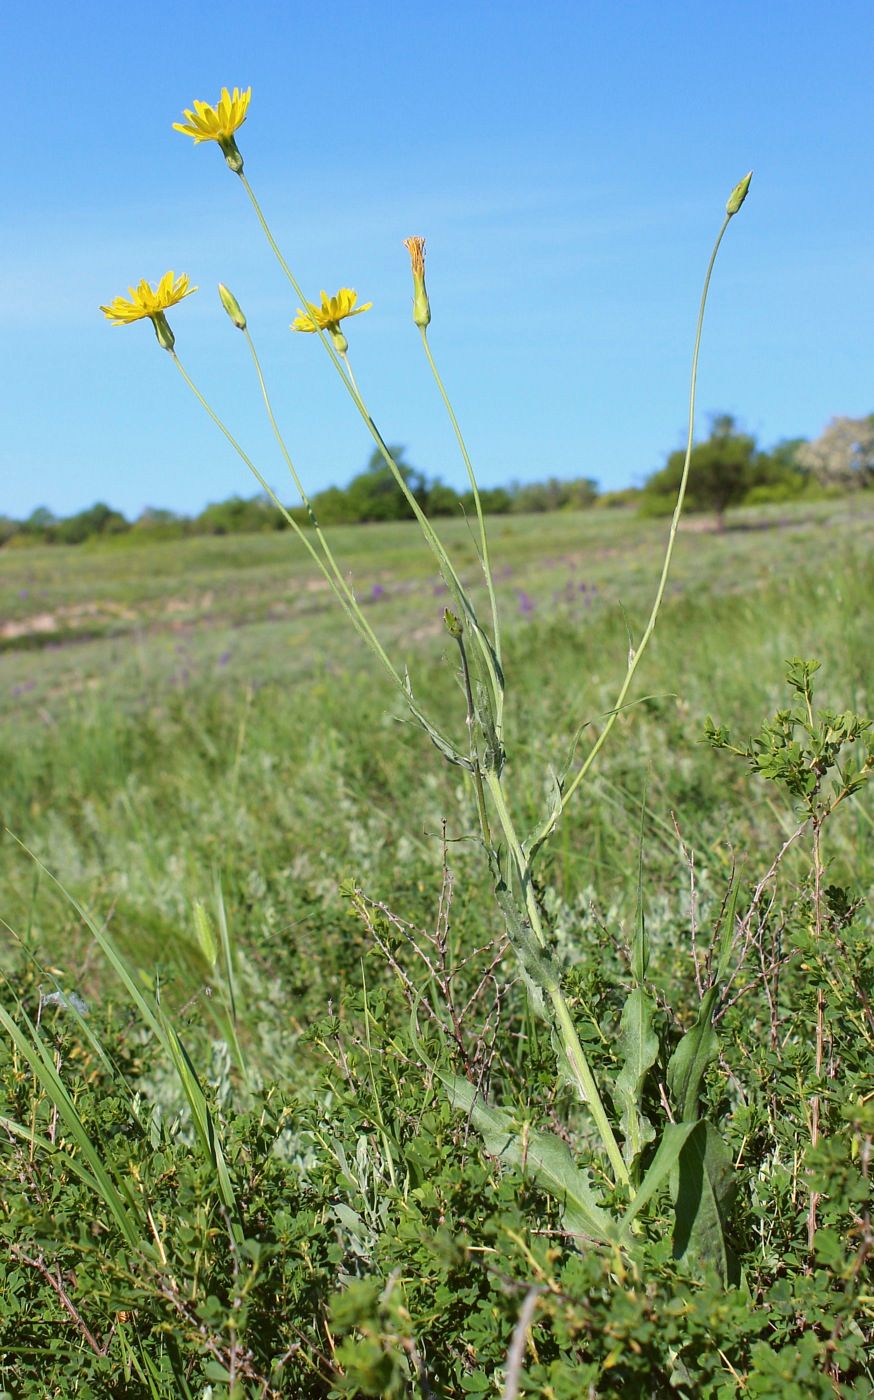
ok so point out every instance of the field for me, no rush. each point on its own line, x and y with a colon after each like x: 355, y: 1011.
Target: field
x: 195, y: 745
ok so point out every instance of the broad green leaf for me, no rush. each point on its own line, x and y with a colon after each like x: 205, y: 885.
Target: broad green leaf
x: 704, y: 1188
x: 673, y: 1140
x: 698, y: 1048
x: 639, y: 1047
x: 543, y: 1155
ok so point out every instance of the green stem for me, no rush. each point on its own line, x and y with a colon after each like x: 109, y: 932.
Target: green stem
x: 576, y: 1055
x: 326, y: 549
x: 474, y: 756
x: 341, y: 364
x: 348, y: 603
x: 637, y: 655
x: 484, y: 541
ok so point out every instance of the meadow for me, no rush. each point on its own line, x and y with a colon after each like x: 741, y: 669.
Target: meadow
x: 196, y: 747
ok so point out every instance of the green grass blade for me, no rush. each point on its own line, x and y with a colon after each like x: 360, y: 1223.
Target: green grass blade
x: 39, y: 1058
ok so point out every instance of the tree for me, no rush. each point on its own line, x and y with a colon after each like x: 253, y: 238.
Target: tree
x: 375, y: 494
x: 100, y: 519
x: 843, y: 454
x: 721, y: 472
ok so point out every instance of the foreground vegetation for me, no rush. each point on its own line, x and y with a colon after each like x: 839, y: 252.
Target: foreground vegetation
x: 183, y: 757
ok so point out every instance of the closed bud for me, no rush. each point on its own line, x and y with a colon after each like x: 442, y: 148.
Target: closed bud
x: 421, y: 306
x: 232, y: 306
x: 738, y: 195
x: 451, y: 623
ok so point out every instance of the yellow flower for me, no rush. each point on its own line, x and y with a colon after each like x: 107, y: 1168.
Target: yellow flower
x: 328, y: 316
x: 218, y: 123
x: 152, y: 304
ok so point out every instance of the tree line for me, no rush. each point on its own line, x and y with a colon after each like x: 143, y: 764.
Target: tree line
x: 727, y: 469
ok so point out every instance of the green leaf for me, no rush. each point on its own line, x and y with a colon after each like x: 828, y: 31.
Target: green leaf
x: 538, y: 970
x: 673, y: 1140
x: 704, y: 1189
x: 639, y: 1047
x: 698, y: 1049
x: 543, y: 1155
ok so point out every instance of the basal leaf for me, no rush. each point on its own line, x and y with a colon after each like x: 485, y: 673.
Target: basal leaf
x: 542, y: 1155
x: 704, y: 1188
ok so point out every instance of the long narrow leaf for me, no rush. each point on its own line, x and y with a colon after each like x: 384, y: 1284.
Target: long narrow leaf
x: 673, y: 1140
x: 37, y: 1055
x: 639, y: 1046
x: 698, y: 1049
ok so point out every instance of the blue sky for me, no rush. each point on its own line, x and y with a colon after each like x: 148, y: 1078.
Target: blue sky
x: 568, y: 164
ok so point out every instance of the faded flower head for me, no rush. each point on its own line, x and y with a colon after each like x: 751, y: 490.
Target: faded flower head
x: 421, y: 306
x: 144, y: 302
x: 219, y: 123
x: 328, y: 316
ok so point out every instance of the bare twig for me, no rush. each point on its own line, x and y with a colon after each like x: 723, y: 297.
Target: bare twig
x: 518, y: 1342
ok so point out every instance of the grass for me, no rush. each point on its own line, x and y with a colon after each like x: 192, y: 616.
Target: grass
x: 201, y: 719
x: 281, y: 1202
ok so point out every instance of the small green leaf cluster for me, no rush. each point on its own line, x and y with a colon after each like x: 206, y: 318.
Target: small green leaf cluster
x: 798, y: 749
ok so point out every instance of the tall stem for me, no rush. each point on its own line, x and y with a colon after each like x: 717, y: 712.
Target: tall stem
x: 341, y: 364
x: 576, y: 1055
x: 343, y: 593
x: 484, y: 540
x: 637, y: 655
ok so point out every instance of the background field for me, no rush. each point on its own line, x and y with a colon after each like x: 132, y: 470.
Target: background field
x: 180, y: 712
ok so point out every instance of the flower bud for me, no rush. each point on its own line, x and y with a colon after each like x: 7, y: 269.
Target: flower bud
x: 232, y: 306
x: 738, y: 195
x: 166, y: 338
x: 421, y: 306
x: 451, y: 623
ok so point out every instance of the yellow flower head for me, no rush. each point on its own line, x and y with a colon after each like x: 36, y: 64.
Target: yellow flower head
x: 328, y: 316
x: 144, y: 302
x: 219, y: 123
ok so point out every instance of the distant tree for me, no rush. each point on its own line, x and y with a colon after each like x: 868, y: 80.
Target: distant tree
x: 239, y: 516
x: 442, y: 499
x: 39, y: 522
x: 375, y: 494
x: 843, y: 454
x: 554, y: 494
x: 722, y: 471
x: 99, y: 520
